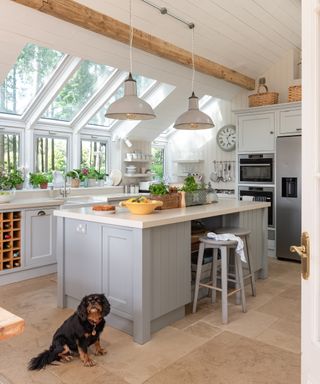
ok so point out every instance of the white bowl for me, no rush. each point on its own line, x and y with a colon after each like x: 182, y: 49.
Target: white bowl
x: 104, y: 213
x: 6, y: 196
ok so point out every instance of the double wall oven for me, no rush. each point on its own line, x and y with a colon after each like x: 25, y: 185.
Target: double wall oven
x: 256, y: 177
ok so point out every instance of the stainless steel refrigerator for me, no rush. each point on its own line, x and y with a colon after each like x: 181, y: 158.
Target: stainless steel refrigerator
x: 288, y: 195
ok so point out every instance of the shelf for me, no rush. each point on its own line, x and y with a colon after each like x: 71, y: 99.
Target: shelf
x: 139, y: 174
x: 188, y: 161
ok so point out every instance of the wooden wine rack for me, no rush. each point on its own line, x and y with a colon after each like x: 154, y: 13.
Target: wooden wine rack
x: 10, y: 240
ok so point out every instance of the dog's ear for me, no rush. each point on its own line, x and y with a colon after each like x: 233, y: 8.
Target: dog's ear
x: 105, y: 305
x: 82, y: 309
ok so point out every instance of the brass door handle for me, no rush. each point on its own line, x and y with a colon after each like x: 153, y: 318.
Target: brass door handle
x: 304, y: 252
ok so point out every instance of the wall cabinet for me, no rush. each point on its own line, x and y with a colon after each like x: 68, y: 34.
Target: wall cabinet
x: 256, y: 132
x: 40, y: 237
x: 257, y: 128
x: 290, y: 122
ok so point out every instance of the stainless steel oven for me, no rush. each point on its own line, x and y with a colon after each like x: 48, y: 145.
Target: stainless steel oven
x: 260, y: 194
x: 256, y: 168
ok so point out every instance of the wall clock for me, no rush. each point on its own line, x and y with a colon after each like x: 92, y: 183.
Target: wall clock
x: 226, y: 137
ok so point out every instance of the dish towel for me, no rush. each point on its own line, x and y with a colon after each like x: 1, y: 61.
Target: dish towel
x: 230, y: 236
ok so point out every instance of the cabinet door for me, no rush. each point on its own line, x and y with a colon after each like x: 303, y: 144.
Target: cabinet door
x: 83, y: 258
x: 290, y: 122
x: 40, y: 237
x: 256, y: 132
x: 118, y: 269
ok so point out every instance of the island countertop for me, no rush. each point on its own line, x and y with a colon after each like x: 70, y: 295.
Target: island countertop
x: 124, y: 218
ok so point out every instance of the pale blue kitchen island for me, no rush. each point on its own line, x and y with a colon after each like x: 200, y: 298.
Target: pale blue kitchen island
x: 143, y: 263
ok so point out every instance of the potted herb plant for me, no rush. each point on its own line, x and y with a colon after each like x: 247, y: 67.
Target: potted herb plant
x: 169, y: 197
x: 39, y: 179
x: 192, y: 192
x: 74, y: 175
x: 16, y: 178
x: 5, y: 182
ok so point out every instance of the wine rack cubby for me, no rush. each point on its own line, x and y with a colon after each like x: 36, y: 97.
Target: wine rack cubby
x: 10, y: 240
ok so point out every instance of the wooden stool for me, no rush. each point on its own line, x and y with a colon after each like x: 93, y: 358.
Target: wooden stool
x: 224, y: 247
x: 244, y: 234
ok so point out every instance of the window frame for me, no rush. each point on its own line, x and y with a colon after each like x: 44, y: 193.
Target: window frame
x: 21, y: 133
x: 165, y: 149
x: 52, y: 134
x: 99, y: 137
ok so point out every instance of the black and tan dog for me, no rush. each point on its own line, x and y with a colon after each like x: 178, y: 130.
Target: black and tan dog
x: 77, y: 333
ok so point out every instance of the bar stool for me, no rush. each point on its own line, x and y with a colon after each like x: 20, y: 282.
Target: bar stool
x: 224, y: 247
x: 244, y: 235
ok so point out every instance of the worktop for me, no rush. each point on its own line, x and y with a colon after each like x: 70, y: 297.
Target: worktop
x: 142, y: 263
x: 123, y: 217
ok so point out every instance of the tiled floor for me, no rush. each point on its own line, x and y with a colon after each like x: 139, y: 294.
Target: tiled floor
x: 259, y: 347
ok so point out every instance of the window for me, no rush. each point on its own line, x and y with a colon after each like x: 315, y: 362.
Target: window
x: 32, y: 70
x: 157, y: 166
x: 9, y: 151
x: 51, y: 153
x: 94, y: 154
x: 78, y: 90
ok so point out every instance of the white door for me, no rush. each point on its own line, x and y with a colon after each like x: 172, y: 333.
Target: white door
x: 311, y: 188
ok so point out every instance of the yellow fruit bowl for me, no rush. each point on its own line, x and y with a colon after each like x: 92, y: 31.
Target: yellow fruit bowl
x: 143, y: 207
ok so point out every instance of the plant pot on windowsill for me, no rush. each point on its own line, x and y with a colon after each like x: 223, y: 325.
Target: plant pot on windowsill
x: 92, y: 182
x: 75, y: 183
x: 19, y: 187
x: 43, y: 185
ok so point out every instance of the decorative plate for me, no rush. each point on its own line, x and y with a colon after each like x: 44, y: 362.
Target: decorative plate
x: 116, y: 176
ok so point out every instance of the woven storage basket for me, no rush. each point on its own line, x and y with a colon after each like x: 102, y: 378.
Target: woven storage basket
x: 171, y: 200
x: 263, y: 98
x: 294, y: 93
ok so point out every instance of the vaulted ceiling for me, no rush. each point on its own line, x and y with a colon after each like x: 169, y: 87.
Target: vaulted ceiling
x: 248, y: 36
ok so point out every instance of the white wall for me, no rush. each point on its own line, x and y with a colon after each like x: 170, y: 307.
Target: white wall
x: 278, y: 78
x: 201, y: 145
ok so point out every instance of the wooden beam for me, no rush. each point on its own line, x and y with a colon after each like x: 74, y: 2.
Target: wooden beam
x: 78, y: 14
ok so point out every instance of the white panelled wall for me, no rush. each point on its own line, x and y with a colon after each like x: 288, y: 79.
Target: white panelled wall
x: 201, y: 145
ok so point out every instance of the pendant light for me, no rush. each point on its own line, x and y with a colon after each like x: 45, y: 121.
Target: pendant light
x: 130, y: 106
x: 193, y: 118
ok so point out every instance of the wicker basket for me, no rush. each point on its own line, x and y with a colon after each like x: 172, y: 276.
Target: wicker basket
x: 171, y: 200
x: 198, y: 197
x: 263, y: 98
x: 294, y: 93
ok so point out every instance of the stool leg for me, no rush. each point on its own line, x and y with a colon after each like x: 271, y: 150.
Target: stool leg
x: 214, y: 275
x: 237, y: 286
x: 240, y: 279
x: 224, y: 284
x: 198, y: 277
x: 251, y: 272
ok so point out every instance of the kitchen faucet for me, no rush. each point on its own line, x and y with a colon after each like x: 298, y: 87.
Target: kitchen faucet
x: 65, y: 191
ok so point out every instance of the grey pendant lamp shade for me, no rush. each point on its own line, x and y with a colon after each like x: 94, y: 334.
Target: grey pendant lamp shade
x: 193, y: 118
x: 130, y: 106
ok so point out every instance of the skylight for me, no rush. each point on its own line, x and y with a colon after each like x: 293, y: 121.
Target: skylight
x: 143, y: 84
x: 33, y: 68
x: 78, y: 90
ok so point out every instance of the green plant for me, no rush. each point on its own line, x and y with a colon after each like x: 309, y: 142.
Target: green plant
x: 5, y: 182
x: 39, y: 178
x: 158, y: 189
x: 190, y: 184
x: 16, y: 177
x: 74, y: 174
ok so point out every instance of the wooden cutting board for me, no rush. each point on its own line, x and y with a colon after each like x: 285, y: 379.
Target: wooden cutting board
x: 10, y: 324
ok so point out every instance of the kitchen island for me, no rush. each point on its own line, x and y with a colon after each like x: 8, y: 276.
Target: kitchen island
x: 143, y: 263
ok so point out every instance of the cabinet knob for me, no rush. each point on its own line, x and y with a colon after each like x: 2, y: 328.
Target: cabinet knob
x: 298, y: 129
x: 271, y: 132
x: 41, y: 213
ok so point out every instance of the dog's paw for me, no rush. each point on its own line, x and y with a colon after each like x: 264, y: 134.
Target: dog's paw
x: 101, y: 351
x: 89, y: 363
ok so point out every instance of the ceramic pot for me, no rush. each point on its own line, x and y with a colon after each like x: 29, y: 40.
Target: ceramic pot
x: 44, y: 186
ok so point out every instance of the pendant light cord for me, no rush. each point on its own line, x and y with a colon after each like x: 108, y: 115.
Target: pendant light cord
x: 192, y: 55
x: 131, y: 36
